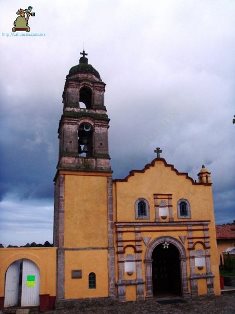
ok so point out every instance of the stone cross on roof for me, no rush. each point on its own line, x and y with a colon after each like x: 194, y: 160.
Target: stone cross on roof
x: 158, y: 151
x: 83, y: 53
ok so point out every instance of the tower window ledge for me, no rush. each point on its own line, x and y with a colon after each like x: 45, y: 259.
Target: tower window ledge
x: 72, y: 109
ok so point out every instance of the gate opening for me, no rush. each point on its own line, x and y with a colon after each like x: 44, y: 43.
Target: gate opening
x: 166, y: 270
x: 22, y: 282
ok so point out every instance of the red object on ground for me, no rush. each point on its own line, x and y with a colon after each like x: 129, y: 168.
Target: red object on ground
x: 221, y: 282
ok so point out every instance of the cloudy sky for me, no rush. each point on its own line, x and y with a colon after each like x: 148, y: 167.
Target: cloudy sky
x: 169, y: 68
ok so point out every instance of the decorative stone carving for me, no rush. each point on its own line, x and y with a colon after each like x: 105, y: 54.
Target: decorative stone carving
x: 182, y: 239
x: 146, y: 240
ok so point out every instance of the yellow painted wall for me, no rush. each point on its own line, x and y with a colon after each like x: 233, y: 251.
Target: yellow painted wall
x: 202, y: 288
x: 44, y: 258
x: 88, y: 261
x: 86, y: 228
x: 161, y: 179
x: 85, y: 211
x: 131, y: 293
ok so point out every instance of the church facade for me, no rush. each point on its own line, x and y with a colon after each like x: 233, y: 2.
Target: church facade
x: 151, y: 234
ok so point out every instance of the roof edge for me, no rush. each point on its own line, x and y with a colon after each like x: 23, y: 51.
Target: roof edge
x: 152, y: 164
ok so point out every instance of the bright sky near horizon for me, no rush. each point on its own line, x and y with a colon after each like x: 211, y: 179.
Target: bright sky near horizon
x: 169, y: 68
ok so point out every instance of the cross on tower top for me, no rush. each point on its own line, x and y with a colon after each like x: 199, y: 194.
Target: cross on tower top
x: 83, y: 53
x: 158, y: 151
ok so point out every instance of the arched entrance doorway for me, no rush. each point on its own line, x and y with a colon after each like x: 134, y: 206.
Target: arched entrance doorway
x: 22, y: 283
x: 166, y: 278
x: 152, y: 255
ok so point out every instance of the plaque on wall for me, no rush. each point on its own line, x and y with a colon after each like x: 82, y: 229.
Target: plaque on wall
x: 76, y: 274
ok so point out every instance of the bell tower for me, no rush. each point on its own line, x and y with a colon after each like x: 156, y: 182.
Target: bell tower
x: 83, y: 215
x: 83, y: 128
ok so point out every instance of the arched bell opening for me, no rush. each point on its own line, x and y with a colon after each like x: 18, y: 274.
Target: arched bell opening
x: 85, y: 97
x: 85, y: 140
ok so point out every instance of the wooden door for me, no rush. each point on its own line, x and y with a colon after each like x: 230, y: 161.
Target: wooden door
x: 30, y: 284
x: 12, y: 285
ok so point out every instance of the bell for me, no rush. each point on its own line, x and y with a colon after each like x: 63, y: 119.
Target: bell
x: 86, y: 127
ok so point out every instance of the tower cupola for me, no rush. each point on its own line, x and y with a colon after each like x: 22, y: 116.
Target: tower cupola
x: 204, y: 176
x: 84, y: 67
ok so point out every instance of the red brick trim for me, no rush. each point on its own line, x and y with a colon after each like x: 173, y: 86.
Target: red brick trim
x: 47, y: 302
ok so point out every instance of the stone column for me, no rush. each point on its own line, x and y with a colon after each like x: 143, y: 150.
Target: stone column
x: 171, y: 217
x: 121, y: 286
x: 156, y: 207
x: 138, y: 258
x: 60, y: 274
x: 60, y: 227
x: 193, y: 281
x: 60, y: 239
x: 184, y: 279
x: 111, y: 252
x: 209, y: 279
x: 148, y: 275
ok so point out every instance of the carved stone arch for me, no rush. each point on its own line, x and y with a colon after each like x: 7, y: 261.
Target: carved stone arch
x: 86, y: 120
x: 199, y: 242
x: 148, y: 264
x: 129, y: 246
x: 86, y: 84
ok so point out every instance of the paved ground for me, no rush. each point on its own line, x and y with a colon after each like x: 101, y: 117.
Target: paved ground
x: 224, y: 304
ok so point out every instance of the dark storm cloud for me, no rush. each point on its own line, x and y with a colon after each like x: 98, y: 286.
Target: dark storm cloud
x: 169, y: 70
x: 29, y: 146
